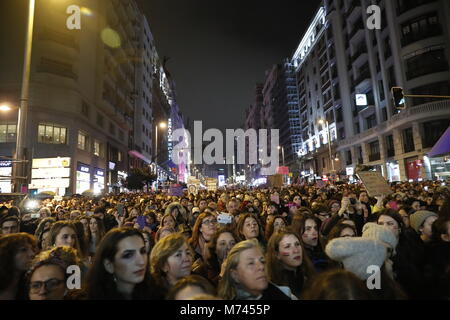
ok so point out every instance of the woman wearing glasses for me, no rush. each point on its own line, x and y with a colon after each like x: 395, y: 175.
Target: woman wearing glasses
x: 204, y: 228
x: 47, y: 277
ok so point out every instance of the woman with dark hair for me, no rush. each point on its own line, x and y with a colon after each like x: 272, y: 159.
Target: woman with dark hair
x: 47, y: 277
x: 307, y: 228
x: 249, y: 227
x: 217, y: 250
x: 341, y: 230
x: 96, y: 233
x: 171, y: 260
x: 64, y: 233
x: 120, y: 270
x: 337, y: 284
x: 204, y: 228
x: 44, y: 224
x: 168, y: 221
x: 287, y: 262
x: 16, y: 253
x: 409, y: 259
x: 275, y: 224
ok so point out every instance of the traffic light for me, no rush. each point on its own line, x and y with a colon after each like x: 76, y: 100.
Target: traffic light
x: 399, y: 98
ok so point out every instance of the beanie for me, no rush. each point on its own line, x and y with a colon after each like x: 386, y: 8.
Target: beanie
x: 374, y: 231
x: 357, y: 254
x: 419, y: 217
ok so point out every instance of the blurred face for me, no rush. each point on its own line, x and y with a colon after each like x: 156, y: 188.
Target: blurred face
x: 184, y: 202
x: 66, y: 237
x: 250, y: 229
x: 311, y: 234
x: 85, y: 223
x: 416, y: 205
x: 130, y: 262
x: 290, y: 252
x: 45, y: 240
x: 10, y: 227
x: 224, y: 244
x: 256, y: 203
x: 347, y: 232
x: 250, y: 272
x: 202, y: 204
x: 179, y: 264
x: 426, y: 228
x: 208, y: 227
x: 335, y: 207
x: 187, y: 293
x: 146, y: 242
x: 169, y: 222
x: 390, y: 223
x: 175, y: 212
x: 47, y: 283
x: 23, y: 257
x: 405, y: 217
x: 232, y: 207
x: 278, y: 224
x: 297, y: 200
x: 363, y: 197
x: 93, y: 225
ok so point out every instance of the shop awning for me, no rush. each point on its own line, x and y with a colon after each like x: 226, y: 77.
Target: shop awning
x: 442, y: 147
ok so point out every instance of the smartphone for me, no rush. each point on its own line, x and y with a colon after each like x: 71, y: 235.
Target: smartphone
x: 35, y: 215
x: 224, y: 218
x: 120, y: 209
x: 140, y: 220
x: 89, y: 213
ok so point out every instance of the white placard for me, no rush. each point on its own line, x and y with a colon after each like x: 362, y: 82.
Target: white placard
x: 374, y: 183
x: 46, y: 173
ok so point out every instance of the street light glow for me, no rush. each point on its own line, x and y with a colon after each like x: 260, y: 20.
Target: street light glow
x: 321, y: 121
x: 5, y: 107
x: 163, y: 125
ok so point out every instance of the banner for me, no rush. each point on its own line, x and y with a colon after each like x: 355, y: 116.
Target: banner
x: 375, y: 183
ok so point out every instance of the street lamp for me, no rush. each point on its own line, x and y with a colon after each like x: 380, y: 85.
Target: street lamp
x: 161, y: 125
x: 322, y: 121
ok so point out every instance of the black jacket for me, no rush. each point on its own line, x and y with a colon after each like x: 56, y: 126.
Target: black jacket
x: 437, y: 270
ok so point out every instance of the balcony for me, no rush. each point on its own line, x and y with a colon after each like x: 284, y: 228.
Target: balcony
x: 425, y: 70
x: 362, y: 49
x: 430, y: 31
x: 356, y: 28
x: 365, y: 74
x: 374, y: 157
x: 411, y: 4
x: 328, y: 105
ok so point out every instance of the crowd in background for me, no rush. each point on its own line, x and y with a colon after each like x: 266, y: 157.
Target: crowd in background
x: 289, y: 243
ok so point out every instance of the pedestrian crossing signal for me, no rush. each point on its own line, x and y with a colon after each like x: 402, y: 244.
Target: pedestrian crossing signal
x: 398, y: 98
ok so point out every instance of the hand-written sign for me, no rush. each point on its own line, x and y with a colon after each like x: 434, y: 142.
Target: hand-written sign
x: 374, y: 183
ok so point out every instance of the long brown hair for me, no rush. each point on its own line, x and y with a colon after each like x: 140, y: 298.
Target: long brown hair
x: 275, y: 269
x: 240, y: 225
x: 193, y: 241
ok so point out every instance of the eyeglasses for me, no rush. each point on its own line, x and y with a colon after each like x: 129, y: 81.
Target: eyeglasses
x: 50, y: 285
x: 210, y: 222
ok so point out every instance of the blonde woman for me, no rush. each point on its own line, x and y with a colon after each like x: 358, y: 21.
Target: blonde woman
x: 245, y: 276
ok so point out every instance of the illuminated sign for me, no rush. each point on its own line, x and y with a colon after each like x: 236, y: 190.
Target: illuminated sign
x: 361, y: 100
x: 112, y: 165
x: 169, y: 138
x: 44, y: 173
x: 5, y: 164
x: 221, y: 180
x: 83, y: 167
x: 350, y: 171
x: 99, y: 172
x: 49, y: 183
x: 51, y: 163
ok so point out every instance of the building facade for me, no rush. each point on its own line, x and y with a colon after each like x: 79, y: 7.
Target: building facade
x: 345, y: 72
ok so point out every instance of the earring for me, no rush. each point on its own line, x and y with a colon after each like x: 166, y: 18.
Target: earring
x: 114, y: 278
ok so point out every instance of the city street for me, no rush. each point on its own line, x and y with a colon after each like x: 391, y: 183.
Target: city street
x: 209, y: 150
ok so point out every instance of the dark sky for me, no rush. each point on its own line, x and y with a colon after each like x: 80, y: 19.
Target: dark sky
x: 220, y: 49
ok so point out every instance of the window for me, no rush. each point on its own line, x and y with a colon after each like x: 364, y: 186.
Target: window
x: 112, y: 129
x: 423, y: 27
x: 390, y: 146
x: 374, y: 148
x: 100, y: 121
x: 119, y: 157
x: 433, y: 131
x: 371, y: 121
x: 339, y: 117
x: 426, y: 61
x: 98, y: 149
x: 85, y: 109
x: 323, y: 163
x: 349, y: 160
x: 53, y: 134
x: 437, y: 88
x: 8, y: 133
x: 82, y: 141
x: 408, y: 140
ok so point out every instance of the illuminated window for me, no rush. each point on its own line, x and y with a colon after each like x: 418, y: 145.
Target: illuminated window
x: 82, y: 141
x: 52, y: 134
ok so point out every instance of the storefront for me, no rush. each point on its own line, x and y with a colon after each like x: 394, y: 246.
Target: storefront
x: 440, y: 168
x: 83, y: 178
x: 413, y: 168
x: 99, y: 180
x: 5, y: 176
x: 393, y: 171
x: 50, y: 175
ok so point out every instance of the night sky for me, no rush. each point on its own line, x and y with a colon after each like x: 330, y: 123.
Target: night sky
x: 219, y: 50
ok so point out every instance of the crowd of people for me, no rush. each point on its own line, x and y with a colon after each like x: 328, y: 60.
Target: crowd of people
x: 296, y: 242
